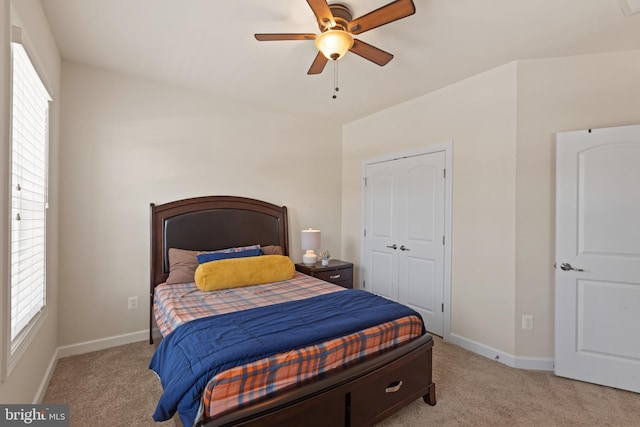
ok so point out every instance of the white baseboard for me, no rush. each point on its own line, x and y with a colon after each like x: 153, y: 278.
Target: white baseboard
x: 101, y: 344
x: 47, y: 378
x: 533, y: 363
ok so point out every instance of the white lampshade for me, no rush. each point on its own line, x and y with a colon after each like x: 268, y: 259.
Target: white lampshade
x: 309, y: 242
x: 334, y: 43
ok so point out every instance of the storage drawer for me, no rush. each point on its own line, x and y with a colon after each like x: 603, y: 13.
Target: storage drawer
x: 338, y: 272
x: 335, y: 276
x: 379, y: 394
x: 326, y: 409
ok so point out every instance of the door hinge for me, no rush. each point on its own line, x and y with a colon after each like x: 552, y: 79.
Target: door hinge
x: 443, y: 307
x: 443, y: 240
x: 444, y: 173
x: 365, y: 232
x: 365, y: 181
x: 364, y: 284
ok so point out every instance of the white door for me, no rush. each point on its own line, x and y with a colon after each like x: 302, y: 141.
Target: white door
x: 404, y: 225
x: 381, y: 254
x: 597, y: 279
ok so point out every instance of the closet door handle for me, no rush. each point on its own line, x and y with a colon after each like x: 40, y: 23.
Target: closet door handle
x: 565, y: 266
x: 394, y: 246
x: 404, y: 248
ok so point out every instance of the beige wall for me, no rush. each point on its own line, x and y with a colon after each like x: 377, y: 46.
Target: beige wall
x: 478, y: 115
x: 556, y: 95
x: 24, y: 383
x: 503, y: 124
x: 126, y: 142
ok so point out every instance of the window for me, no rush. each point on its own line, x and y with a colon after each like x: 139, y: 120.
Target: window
x: 30, y: 123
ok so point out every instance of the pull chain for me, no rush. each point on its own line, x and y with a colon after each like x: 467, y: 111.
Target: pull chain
x: 335, y: 79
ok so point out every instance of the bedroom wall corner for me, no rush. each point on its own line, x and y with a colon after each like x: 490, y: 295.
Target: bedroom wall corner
x: 545, y: 96
x: 127, y: 142
x: 29, y: 378
x: 478, y: 114
x: 556, y: 95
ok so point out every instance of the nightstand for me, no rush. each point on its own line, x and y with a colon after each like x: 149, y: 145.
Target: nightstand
x: 338, y: 272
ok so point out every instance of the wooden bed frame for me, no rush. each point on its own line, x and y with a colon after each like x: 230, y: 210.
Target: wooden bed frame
x: 358, y: 395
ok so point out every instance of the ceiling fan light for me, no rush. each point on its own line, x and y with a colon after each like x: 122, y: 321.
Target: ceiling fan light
x: 334, y: 43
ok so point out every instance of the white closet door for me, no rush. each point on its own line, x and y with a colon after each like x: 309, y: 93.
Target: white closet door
x: 381, y: 254
x: 420, y: 231
x: 404, y: 251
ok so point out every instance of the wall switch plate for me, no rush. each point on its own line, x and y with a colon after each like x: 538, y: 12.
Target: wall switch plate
x: 527, y: 321
x: 132, y: 303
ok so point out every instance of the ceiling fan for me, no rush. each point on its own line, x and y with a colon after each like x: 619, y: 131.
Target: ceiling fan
x: 337, y: 29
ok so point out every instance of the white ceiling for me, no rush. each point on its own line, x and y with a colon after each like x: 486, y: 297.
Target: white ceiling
x: 208, y: 45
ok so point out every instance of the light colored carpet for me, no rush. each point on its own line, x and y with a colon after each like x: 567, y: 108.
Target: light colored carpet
x: 114, y: 387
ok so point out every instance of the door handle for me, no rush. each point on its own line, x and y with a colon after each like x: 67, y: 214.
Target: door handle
x: 565, y: 266
x: 394, y: 246
x: 404, y: 248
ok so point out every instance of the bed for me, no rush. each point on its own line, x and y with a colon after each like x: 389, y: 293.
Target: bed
x: 360, y: 385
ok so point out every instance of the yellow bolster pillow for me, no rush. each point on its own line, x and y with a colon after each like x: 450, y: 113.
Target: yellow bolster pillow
x: 236, y: 272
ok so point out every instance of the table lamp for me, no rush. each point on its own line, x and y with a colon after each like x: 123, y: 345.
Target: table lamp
x: 309, y: 242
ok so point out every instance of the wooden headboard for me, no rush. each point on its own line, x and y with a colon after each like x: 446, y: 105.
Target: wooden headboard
x: 210, y: 223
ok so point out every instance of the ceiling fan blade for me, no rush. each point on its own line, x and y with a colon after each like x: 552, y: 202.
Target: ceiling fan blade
x: 323, y: 13
x: 318, y: 64
x: 372, y: 53
x: 284, y: 36
x: 391, y: 12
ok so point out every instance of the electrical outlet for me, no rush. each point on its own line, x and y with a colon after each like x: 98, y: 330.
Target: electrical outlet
x: 527, y: 321
x: 132, y: 303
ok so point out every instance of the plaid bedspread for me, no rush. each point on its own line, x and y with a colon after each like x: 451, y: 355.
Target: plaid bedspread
x: 181, y: 303
x: 235, y: 387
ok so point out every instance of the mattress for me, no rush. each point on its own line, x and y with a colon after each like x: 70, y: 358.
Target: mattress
x: 181, y: 303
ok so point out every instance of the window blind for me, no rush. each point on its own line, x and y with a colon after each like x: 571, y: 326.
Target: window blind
x: 30, y: 124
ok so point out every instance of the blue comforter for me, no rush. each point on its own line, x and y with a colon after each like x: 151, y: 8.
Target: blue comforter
x: 193, y: 353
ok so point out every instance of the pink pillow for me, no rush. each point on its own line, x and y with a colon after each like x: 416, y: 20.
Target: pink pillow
x: 182, y: 266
